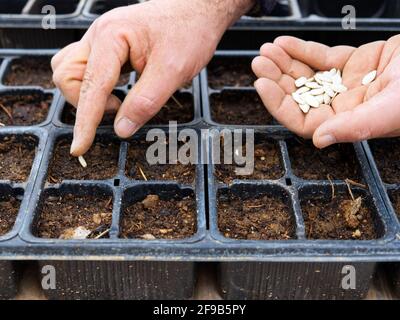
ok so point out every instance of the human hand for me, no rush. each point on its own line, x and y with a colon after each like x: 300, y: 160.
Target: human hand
x: 362, y: 112
x: 167, y: 42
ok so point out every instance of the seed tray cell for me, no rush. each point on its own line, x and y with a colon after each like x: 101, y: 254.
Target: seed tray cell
x: 285, y: 10
x: 184, y: 108
x: 290, y: 199
x: 383, y: 157
x: 95, y: 8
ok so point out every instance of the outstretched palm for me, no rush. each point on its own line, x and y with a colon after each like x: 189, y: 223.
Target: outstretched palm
x: 360, y: 113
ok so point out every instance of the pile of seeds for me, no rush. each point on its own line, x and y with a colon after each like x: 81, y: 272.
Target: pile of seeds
x: 322, y: 88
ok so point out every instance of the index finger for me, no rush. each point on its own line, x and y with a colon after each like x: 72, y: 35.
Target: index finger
x: 100, y: 77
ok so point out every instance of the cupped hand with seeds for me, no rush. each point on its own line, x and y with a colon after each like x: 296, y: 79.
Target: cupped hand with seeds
x: 167, y: 42
x: 362, y: 112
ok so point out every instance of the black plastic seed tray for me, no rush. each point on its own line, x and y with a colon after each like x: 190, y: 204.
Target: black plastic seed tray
x: 383, y: 157
x: 115, y: 267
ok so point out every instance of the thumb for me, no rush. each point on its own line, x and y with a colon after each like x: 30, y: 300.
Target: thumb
x: 377, y: 117
x: 156, y: 85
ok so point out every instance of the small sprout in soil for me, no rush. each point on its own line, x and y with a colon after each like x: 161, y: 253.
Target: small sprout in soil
x: 82, y: 161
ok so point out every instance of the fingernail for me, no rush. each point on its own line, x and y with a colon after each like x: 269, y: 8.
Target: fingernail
x: 125, y: 127
x: 74, y: 146
x: 326, y: 140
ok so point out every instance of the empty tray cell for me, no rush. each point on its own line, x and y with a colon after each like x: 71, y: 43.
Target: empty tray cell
x: 230, y: 72
x: 61, y: 6
x: 139, y: 168
x: 101, y: 159
x: 239, y: 108
x: 10, y: 202
x: 267, y: 163
x: 102, y: 6
x: 153, y: 213
x: 74, y: 213
x: 338, y: 216
x: 30, y: 71
x: 364, y: 9
x: 395, y: 198
x: 24, y: 109
x: 338, y: 162
x: 256, y: 213
x: 386, y: 153
x: 179, y: 108
x: 12, y: 7
x: 17, y: 154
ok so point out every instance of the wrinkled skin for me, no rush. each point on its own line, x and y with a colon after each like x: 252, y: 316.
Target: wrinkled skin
x: 167, y: 41
x: 363, y: 112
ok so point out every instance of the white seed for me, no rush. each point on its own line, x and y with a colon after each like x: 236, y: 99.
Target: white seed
x: 311, y: 79
x: 82, y: 161
x: 317, y: 92
x: 298, y: 98
x: 303, y: 90
x: 369, y: 78
x: 300, y: 82
x: 339, y: 88
x: 333, y: 72
x: 327, y: 99
x: 304, y: 107
x: 313, y: 85
x: 320, y: 99
x: 337, y: 79
x: 311, y: 100
x: 329, y: 91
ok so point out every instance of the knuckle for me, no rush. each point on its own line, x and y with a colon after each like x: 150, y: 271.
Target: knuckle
x: 59, y: 77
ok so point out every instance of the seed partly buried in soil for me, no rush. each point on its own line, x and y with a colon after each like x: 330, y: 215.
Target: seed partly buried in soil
x: 70, y: 216
x: 230, y: 72
x: 101, y: 159
x: 341, y: 218
x: 24, y: 109
x: 30, y: 72
x: 9, y: 207
x: 138, y: 168
x: 387, y: 157
x: 338, y: 161
x: 16, y: 157
x: 239, y: 108
x: 155, y: 218
x: 267, y: 164
x: 265, y: 217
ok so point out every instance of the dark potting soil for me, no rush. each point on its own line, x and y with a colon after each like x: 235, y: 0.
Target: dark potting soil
x: 61, y: 215
x: 16, y: 157
x: 230, y: 72
x: 34, y: 71
x: 102, y: 162
x: 154, y: 218
x: 395, y: 197
x: 239, y: 108
x: 259, y: 218
x: 138, y: 168
x: 24, y: 109
x: 387, y: 157
x: 9, y: 208
x: 68, y: 116
x: 338, y: 219
x: 267, y: 164
x: 338, y: 161
x: 179, y: 108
